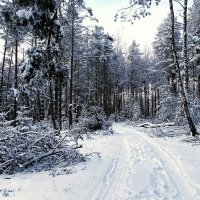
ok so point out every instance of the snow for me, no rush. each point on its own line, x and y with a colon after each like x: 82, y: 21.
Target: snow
x: 127, y: 165
x: 25, y: 69
x: 150, y: 125
x: 16, y: 92
x: 23, y: 13
x: 57, y: 22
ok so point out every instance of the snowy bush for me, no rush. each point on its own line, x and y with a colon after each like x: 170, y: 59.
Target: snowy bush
x: 195, y: 110
x: 130, y: 111
x: 170, y: 107
x: 93, y: 118
x: 34, y: 148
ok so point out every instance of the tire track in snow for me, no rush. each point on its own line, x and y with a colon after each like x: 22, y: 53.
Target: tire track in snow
x: 171, y: 169
x: 141, y: 161
x: 165, y: 177
x: 141, y: 170
x: 113, y: 174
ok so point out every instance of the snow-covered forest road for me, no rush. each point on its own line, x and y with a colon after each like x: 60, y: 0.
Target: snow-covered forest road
x: 131, y: 166
x: 143, y: 170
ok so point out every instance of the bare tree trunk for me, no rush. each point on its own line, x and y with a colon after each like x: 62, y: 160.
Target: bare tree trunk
x: 141, y: 103
x: 52, y: 106
x: 16, y: 81
x: 39, y: 106
x: 56, y: 97
x: 60, y: 105
x: 156, y: 101
x: 72, y: 69
x: 198, y: 87
x: 147, y: 101
x: 8, y: 77
x: 105, y: 99
x: 2, y: 75
x: 177, y: 70
x: 96, y: 81
x: 185, y: 52
x: 152, y: 103
x: 66, y: 98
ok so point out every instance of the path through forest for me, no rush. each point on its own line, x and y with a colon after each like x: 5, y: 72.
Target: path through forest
x: 126, y: 165
x: 142, y: 170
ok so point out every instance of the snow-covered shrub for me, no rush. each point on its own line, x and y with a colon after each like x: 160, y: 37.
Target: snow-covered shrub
x: 35, y: 148
x: 130, y: 111
x: 24, y: 122
x: 170, y: 108
x: 195, y: 110
x: 93, y: 118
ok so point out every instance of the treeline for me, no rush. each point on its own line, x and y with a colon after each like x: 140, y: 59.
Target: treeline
x: 168, y: 86
x: 53, y: 66
x: 56, y: 68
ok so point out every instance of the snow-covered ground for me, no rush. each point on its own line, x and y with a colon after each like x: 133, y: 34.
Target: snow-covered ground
x: 131, y: 165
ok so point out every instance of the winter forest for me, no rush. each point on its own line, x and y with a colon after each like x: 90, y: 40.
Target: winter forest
x: 79, y: 113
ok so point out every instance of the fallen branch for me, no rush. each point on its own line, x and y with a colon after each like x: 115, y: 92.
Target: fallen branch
x: 5, y: 164
x: 40, y: 158
x: 4, y: 139
x: 47, y: 154
x: 94, y: 153
x: 150, y: 125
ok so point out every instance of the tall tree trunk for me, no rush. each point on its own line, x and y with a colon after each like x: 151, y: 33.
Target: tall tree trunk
x: 72, y: 68
x: 185, y: 52
x: 87, y: 99
x: 141, y: 103
x: 152, y: 102
x: 56, y: 97
x: 147, y: 101
x: 96, y: 81
x: 158, y: 101
x: 66, y: 98
x: 38, y: 113
x: 105, y: 99
x: 198, y: 87
x: 16, y: 82
x: 8, y: 76
x: 60, y: 104
x: 40, y: 107
x: 2, y: 75
x: 52, y: 106
x: 178, y: 73
x: 155, y: 102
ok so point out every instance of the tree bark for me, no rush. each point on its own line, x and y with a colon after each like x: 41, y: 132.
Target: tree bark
x: 185, y: 52
x: 16, y: 81
x: 147, y: 101
x: 2, y: 75
x: 152, y: 103
x: 56, y: 97
x: 60, y: 104
x: 8, y: 76
x: 178, y: 73
x: 105, y: 99
x: 66, y: 98
x: 72, y: 68
x: 52, y: 106
x: 158, y: 100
